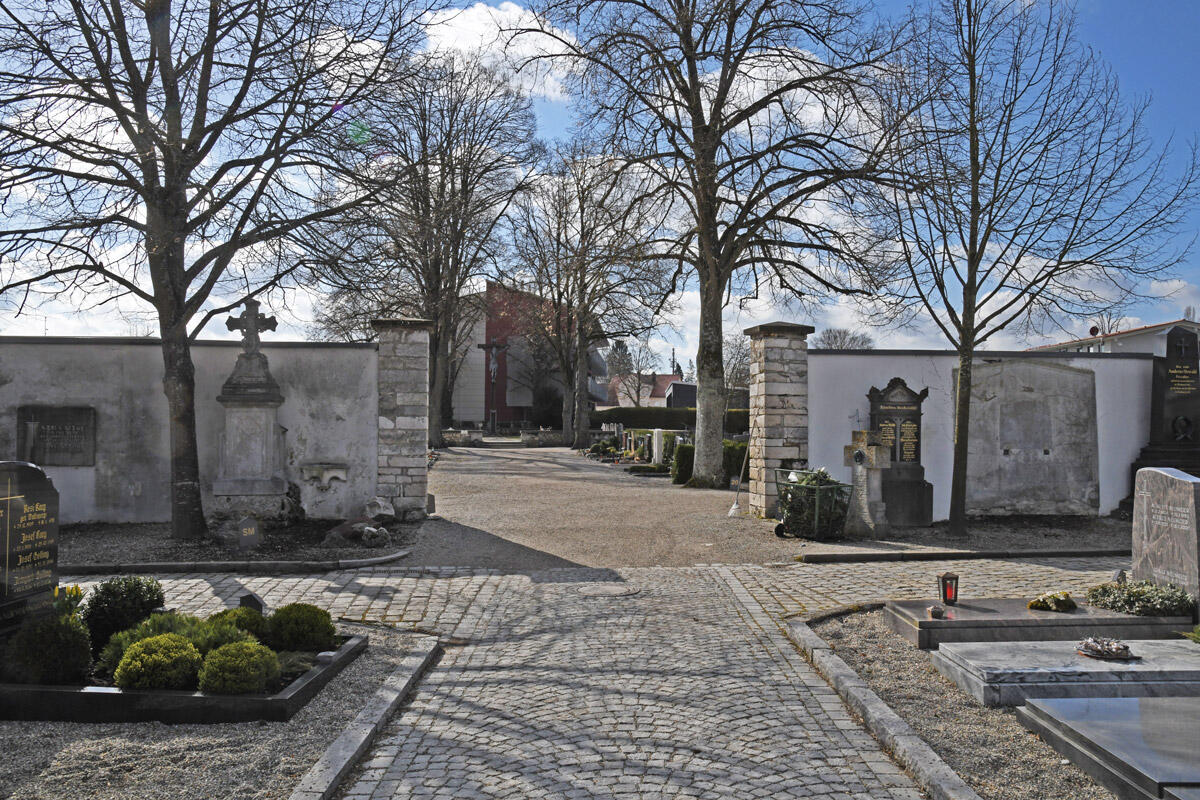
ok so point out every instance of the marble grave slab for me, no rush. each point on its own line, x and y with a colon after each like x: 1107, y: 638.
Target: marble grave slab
x: 1009, y: 673
x: 1006, y: 619
x: 1145, y: 748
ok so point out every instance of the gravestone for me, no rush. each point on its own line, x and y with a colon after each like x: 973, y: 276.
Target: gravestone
x: 29, y: 517
x: 1174, y: 406
x: 1134, y: 747
x: 1166, y: 548
x: 896, y: 414
x: 866, y: 516
x: 1013, y: 672
x: 250, y: 473
x: 249, y: 536
x: 57, y: 436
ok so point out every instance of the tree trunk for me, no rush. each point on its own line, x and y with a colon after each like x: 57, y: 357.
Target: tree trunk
x: 582, y: 420
x: 179, y: 385
x: 962, y: 426
x: 709, y: 466
x: 568, y: 398
x: 438, y: 376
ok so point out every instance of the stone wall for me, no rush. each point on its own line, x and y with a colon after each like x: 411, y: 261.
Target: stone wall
x: 778, y: 406
x: 403, y: 413
x: 328, y: 412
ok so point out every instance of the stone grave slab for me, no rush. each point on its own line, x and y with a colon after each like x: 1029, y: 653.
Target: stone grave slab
x: 1009, y: 673
x: 1143, y: 747
x: 29, y: 534
x: 1166, y: 545
x: 1006, y: 619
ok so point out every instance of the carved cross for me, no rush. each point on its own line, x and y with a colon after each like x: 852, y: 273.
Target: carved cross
x: 250, y: 323
x: 1182, y: 346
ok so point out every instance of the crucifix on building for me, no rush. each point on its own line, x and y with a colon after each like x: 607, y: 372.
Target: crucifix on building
x: 493, y: 349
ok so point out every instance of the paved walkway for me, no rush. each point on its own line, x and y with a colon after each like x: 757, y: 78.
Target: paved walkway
x: 686, y: 688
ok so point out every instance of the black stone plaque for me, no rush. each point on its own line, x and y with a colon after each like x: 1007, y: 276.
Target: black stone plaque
x: 57, y: 436
x: 896, y: 414
x: 29, y: 527
x: 1175, y: 391
x: 249, y: 535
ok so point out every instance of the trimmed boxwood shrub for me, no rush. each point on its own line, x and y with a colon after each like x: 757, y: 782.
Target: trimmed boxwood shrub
x: 239, y: 668
x: 733, y: 456
x: 246, y: 619
x: 168, y: 661
x: 117, y: 604
x: 51, y: 649
x: 204, y: 634
x: 681, y: 467
x: 1144, y: 598
x: 300, y: 626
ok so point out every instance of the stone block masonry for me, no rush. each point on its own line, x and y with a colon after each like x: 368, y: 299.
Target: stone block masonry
x: 778, y: 406
x: 402, y: 471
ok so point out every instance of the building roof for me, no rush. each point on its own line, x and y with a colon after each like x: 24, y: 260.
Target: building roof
x: 1104, y: 337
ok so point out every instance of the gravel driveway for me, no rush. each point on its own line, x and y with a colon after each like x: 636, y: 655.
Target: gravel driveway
x: 518, y: 510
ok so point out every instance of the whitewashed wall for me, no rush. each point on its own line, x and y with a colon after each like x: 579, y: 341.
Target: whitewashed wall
x: 838, y: 381
x: 329, y: 410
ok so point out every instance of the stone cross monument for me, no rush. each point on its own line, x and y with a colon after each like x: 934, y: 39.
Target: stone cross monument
x: 250, y: 476
x: 866, y: 518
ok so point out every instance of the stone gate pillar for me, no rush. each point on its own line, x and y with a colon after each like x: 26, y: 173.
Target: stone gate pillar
x: 778, y: 406
x: 403, y: 433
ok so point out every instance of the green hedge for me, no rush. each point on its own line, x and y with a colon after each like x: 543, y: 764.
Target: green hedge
x: 737, y: 420
x: 734, y: 456
x: 681, y: 467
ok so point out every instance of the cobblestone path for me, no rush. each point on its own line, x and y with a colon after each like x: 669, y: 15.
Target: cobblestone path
x: 687, y: 688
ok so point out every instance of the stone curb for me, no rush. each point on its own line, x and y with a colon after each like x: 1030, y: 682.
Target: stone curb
x: 956, y: 555
x: 323, y: 779
x: 253, y: 567
x: 897, y: 736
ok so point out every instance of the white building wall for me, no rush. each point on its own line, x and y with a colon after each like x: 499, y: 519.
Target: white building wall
x: 838, y: 382
x: 468, y: 396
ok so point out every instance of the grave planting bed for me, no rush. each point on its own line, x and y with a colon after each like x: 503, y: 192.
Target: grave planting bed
x: 110, y: 543
x: 987, y: 747
x: 110, y: 704
x: 187, y: 761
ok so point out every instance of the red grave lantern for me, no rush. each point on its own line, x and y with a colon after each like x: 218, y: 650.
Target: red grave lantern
x: 948, y: 588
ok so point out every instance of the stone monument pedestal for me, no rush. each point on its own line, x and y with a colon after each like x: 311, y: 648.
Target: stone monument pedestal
x: 250, y: 475
x: 866, y: 518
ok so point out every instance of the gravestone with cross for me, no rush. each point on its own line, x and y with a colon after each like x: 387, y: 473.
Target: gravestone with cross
x: 29, y: 534
x: 1174, y: 408
x: 250, y: 474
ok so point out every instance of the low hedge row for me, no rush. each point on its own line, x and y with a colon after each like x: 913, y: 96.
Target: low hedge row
x: 737, y: 420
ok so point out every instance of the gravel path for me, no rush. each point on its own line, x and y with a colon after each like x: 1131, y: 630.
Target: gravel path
x: 248, y: 761
x: 988, y: 747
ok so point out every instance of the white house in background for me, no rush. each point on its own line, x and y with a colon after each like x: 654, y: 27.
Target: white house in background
x: 1146, y: 339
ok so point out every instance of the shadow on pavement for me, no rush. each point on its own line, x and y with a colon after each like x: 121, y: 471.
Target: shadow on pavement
x: 442, y: 543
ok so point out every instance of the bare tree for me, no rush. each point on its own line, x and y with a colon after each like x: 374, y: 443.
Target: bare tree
x: 842, y: 339
x: 155, y: 151
x: 1042, y: 196
x: 736, y: 351
x: 579, y: 241
x: 457, y: 145
x: 747, y: 117
x: 637, y: 384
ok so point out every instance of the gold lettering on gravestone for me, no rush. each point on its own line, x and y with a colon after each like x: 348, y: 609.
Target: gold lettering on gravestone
x: 910, y: 439
x: 887, y: 433
x: 28, y: 562
x: 1182, y: 379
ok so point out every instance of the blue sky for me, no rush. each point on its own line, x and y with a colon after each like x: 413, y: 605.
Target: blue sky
x: 1151, y: 45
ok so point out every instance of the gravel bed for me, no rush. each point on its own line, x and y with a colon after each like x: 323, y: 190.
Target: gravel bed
x: 1023, y: 533
x: 987, y: 747
x: 110, y: 543
x: 248, y: 760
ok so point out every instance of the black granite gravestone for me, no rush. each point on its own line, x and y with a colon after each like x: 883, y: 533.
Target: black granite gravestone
x: 29, y: 527
x: 896, y: 414
x: 1174, y: 408
x: 249, y: 535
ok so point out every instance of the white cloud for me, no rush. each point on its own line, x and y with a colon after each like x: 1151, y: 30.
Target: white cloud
x: 493, y: 35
